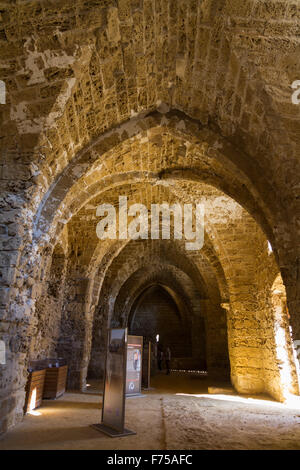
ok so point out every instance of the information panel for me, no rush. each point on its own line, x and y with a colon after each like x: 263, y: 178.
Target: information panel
x: 113, y: 411
x: 2, y: 352
x: 134, y: 365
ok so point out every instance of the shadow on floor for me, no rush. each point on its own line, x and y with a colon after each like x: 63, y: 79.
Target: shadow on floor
x: 70, y: 404
x: 56, y: 435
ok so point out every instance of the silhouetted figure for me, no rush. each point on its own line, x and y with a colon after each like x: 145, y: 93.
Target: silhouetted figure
x: 160, y: 357
x: 168, y: 360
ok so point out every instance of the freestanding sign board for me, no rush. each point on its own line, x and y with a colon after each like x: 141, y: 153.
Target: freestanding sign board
x: 134, y: 365
x: 113, y: 407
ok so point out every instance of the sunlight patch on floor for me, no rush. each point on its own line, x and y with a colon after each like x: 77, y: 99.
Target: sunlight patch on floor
x: 292, y: 402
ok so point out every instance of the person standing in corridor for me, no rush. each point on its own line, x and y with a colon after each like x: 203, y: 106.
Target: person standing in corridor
x: 168, y: 360
x: 160, y: 358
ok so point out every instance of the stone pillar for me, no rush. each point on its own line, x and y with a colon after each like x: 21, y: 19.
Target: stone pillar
x: 99, y: 340
x: 295, y: 334
x: 290, y: 271
x: 245, y: 353
x: 296, y: 353
x: 72, y: 341
x: 216, y: 341
x: 17, y: 283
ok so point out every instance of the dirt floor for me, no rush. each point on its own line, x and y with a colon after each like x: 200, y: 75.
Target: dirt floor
x: 178, y: 413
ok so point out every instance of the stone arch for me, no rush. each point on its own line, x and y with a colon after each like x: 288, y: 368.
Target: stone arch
x: 157, y: 311
x: 178, y: 173
x: 130, y: 286
x: 178, y: 124
x: 180, y: 304
x: 85, y: 73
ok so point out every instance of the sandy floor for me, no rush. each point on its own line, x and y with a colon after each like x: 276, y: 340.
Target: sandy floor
x: 178, y: 414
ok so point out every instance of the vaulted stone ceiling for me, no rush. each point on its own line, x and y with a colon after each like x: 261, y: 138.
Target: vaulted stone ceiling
x: 76, y: 69
x: 162, y: 100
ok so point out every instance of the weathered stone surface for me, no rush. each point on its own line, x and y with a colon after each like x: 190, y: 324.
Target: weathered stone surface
x: 177, y: 101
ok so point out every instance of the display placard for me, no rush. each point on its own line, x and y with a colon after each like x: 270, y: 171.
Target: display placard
x: 113, y: 410
x: 134, y: 365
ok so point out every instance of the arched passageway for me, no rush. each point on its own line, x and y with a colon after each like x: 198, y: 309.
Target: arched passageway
x: 156, y: 315
x: 171, y: 102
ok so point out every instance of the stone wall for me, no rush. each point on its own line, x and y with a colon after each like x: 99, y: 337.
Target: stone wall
x: 171, y: 100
